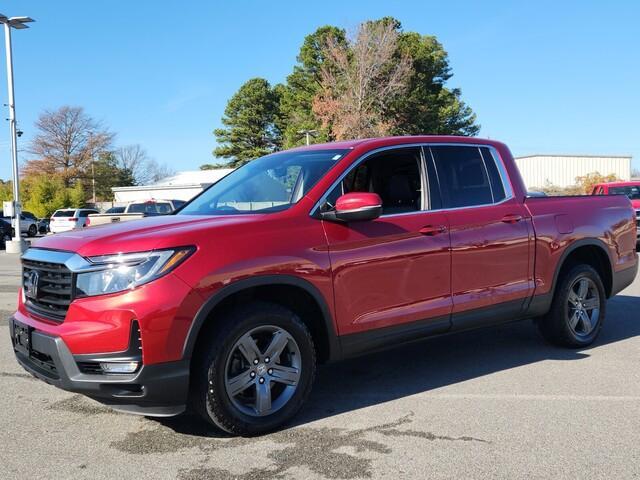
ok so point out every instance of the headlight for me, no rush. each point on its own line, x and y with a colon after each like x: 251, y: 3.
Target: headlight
x: 116, y: 273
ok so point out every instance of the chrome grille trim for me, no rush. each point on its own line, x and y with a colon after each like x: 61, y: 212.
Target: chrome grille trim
x: 54, y: 288
x: 56, y: 270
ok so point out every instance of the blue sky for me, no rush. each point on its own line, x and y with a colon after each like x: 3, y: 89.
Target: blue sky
x: 550, y: 77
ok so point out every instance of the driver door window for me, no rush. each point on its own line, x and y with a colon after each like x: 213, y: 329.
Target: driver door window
x: 394, y: 175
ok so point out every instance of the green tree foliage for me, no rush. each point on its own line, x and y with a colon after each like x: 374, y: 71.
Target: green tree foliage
x: 44, y: 194
x: 6, y: 191
x: 303, y: 85
x: 108, y: 174
x: 213, y: 166
x: 429, y: 107
x: 250, y: 123
x: 77, y: 195
x: 260, y: 119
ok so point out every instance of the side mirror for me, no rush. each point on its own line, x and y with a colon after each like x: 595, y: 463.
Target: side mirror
x: 356, y: 206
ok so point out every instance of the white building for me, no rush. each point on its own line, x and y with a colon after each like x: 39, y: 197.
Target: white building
x: 561, y: 170
x: 182, y: 186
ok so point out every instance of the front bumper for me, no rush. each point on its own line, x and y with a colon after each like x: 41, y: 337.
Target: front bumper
x: 154, y: 390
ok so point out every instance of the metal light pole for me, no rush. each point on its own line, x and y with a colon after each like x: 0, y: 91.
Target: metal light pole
x: 93, y: 181
x: 19, y: 23
x: 308, y: 134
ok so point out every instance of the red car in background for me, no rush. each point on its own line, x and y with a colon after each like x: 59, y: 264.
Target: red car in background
x: 630, y: 189
x: 309, y: 256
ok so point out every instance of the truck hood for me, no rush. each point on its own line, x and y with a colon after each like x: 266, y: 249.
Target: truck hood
x: 138, y: 235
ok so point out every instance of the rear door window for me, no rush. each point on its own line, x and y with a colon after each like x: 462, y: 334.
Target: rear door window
x: 495, y: 181
x: 463, y: 176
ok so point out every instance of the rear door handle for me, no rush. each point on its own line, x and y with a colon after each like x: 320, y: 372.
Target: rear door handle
x: 512, y: 218
x: 431, y: 230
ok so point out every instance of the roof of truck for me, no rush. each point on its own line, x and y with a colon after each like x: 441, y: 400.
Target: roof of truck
x: 398, y: 140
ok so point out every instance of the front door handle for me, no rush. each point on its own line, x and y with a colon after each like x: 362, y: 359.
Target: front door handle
x: 431, y: 230
x: 512, y: 218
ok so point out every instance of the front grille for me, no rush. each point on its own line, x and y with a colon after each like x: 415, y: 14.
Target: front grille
x: 54, y: 288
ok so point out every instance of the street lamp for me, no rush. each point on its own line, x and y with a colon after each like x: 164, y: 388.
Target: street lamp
x: 19, y: 23
x: 308, y: 134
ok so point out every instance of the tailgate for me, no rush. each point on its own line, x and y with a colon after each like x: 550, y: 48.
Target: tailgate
x: 103, y: 219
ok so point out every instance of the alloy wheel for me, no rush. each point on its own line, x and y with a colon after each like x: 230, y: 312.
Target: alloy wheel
x: 262, y: 370
x: 583, y: 307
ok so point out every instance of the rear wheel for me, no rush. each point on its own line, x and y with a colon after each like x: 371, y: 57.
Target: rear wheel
x: 33, y: 231
x: 255, y: 372
x: 578, y: 309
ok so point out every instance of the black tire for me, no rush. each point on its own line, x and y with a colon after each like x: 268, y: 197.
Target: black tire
x: 209, y: 397
x: 33, y: 231
x: 556, y: 325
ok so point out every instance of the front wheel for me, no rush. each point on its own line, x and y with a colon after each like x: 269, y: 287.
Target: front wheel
x: 255, y: 372
x: 578, y: 309
x: 33, y: 231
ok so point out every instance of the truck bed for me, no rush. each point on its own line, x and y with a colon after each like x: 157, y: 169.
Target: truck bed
x: 563, y: 221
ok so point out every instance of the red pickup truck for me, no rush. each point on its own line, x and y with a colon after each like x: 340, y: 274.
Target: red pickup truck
x: 308, y: 256
x: 630, y: 189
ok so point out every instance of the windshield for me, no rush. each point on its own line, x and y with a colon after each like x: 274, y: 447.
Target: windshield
x: 633, y: 191
x: 267, y: 184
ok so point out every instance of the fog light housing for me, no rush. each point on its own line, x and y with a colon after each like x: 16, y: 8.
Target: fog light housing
x: 119, y: 367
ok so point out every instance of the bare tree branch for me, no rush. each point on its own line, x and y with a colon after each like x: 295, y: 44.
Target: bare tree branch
x: 360, y: 81
x: 144, y: 170
x: 66, y: 142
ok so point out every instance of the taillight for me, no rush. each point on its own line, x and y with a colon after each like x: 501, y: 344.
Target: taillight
x: 87, y: 222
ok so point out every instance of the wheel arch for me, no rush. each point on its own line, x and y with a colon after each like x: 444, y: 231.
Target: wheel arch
x: 277, y: 289
x: 593, y: 252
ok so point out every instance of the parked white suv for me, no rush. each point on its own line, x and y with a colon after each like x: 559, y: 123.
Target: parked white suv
x: 67, y: 219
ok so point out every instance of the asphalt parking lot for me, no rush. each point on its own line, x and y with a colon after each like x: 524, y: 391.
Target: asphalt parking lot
x: 496, y: 403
